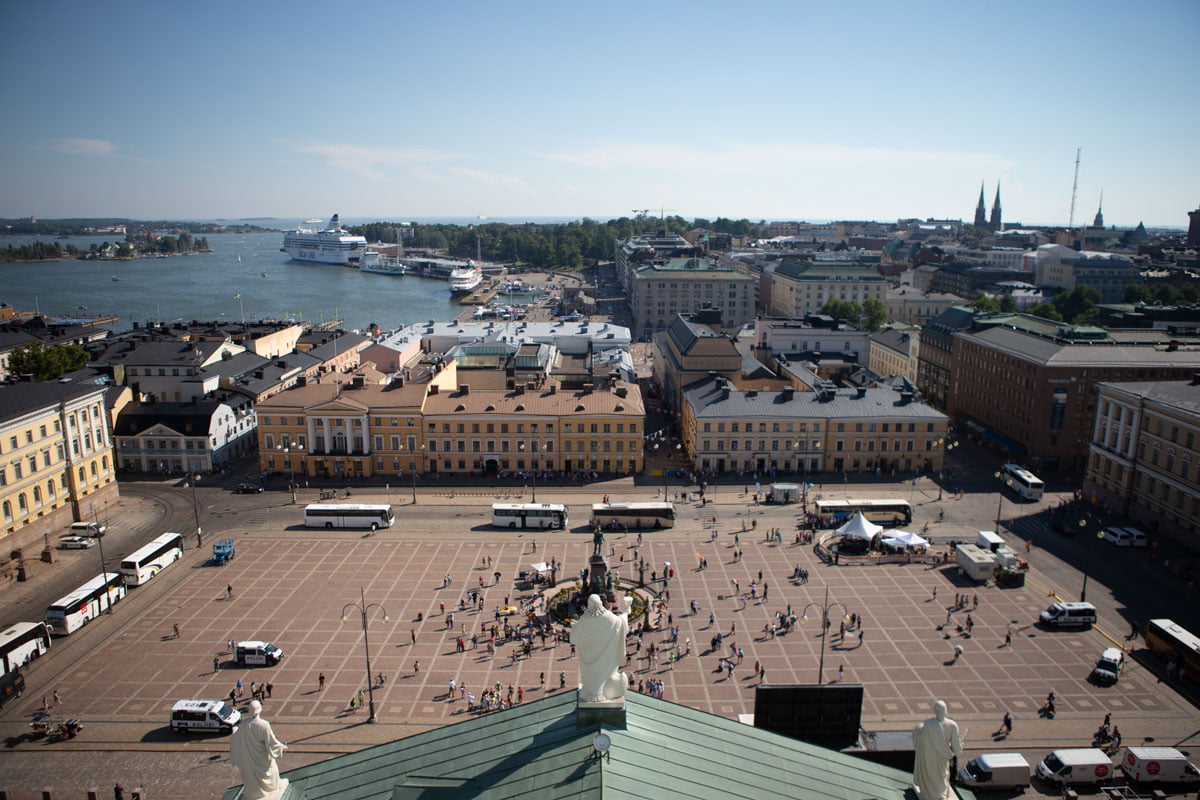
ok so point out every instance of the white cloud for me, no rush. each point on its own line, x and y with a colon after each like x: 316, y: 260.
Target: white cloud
x: 369, y: 162
x: 85, y: 147
x: 747, y: 158
x: 490, y: 178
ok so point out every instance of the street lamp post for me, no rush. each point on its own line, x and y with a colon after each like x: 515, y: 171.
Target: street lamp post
x: 192, y: 478
x: 291, y: 470
x: 103, y: 572
x: 1087, y: 561
x: 532, y: 469
x: 999, y: 499
x: 824, y: 628
x: 362, y: 609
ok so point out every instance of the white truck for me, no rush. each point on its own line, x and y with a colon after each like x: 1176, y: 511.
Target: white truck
x: 1158, y: 765
x: 1076, y: 766
x: 976, y: 562
x: 996, y: 771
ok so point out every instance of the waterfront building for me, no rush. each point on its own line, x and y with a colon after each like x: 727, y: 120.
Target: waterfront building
x: 1144, y: 455
x: 56, y: 459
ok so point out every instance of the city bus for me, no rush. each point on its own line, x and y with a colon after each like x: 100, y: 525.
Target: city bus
x: 529, y: 515
x: 142, y: 565
x: 882, y: 512
x: 1175, y: 645
x: 85, y: 603
x: 349, y: 515
x: 22, y: 642
x: 1022, y: 481
x: 633, y: 516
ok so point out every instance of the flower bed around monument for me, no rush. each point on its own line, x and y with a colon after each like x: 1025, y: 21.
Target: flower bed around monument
x: 564, y: 613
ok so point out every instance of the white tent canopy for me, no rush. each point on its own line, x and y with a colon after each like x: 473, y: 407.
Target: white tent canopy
x: 908, y: 539
x: 860, y: 528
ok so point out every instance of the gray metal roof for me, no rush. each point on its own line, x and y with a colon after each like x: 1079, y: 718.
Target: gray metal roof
x: 538, y: 750
x: 1060, y: 354
x: 709, y: 399
x: 19, y: 399
x: 1184, y: 395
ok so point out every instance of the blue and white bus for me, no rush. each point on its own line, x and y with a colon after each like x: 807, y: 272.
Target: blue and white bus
x: 142, y: 565
x: 1022, y: 481
x: 349, y: 515
x: 529, y: 515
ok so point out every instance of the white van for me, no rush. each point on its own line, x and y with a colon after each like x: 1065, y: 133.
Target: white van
x: 1137, y: 537
x: 257, y: 654
x: 996, y: 771
x: 1077, y: 766
x: 1064, y: 614
x: 88, y: 529
x: 1158, y: 765
x: 1108, y: 668
x: 204, y: 715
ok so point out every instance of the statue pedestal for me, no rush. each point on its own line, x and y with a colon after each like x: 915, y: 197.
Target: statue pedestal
x: 610, y: 714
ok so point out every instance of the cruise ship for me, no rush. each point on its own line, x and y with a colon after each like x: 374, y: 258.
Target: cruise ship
x: 333, y: 245
x: 374, y: 261
x: 466, y: 279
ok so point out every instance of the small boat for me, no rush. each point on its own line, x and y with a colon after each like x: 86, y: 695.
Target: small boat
x: 264, y: 274
x: 84, y: 308
x: 115, y: 278
x: 239, y: 259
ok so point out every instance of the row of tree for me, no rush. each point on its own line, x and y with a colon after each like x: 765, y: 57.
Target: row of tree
x: 89, y: 225
x: 38, y: 251
x: 569, y: 245
x: 1076, y: 306
x: 870, y: 315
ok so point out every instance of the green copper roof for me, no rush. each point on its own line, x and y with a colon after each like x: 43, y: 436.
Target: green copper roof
x: 537, y: 750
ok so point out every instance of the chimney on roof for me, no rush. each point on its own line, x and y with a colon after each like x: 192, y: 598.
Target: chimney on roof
x: 862, y: 391
x: 433, y: 388
x: 1196, y: 379
x: 464, y: 388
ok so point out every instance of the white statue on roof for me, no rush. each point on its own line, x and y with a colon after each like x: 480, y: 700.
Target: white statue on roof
x: 935, y: 741
x: 255, y: 752
x: 599, y: 637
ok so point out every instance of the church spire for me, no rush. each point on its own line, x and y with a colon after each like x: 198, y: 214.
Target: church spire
x: 981, y: 210
x: 1098, y: 222
x: 995, y: 222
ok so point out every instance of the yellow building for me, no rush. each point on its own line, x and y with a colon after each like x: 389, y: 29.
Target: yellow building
x: 56, y: 459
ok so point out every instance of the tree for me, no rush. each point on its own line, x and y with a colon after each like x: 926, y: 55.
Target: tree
x: 845, y: 310
x: 1045, y: 311
x: 984, y: 303
x: 874, y: 312
x: 1138, y: 293
x: 47, y: 363
x: 1078, y: 305
x: 1166, y: 295
x: 1188, y: 293
x: 1007, y: 304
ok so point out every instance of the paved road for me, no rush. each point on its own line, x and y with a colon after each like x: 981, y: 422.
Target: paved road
x: 121, y: 673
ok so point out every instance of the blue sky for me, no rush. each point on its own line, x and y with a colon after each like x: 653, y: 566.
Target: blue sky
x: 778, y: 110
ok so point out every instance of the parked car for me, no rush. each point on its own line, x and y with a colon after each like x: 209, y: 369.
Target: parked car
x: 247, y: 488
x: 76, y: 543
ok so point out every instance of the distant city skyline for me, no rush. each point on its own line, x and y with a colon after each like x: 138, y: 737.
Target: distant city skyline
x: 780, y: 111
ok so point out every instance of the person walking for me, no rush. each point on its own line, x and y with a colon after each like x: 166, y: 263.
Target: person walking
x: 229, y: 591
x: 1008, y: 639
x: 175, y: 630
x: 1007, y: 723
x: 416, y: 667
x: 361, y: 698
x: 320, y: 681
x: 841, y: 672
x: 216, y: 663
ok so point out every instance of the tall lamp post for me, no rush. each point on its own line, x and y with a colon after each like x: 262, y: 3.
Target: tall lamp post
x: 287, y: 450
x: 999, y: 498
x: 521, y: 450
x: 193, y: 476
x: 362, y: 609
x: 103, y: 572
x: 824, y: 628
x: 415, y: 451
x: 1087, y: 561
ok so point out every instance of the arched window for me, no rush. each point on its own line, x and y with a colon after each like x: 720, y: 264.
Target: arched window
x: 21, y: 503
x: 37, y: 495
x: 105, y: 462
x: 93, y: 467
x: 82, y: 476
x: 7, y: 510
x: 50, y: 489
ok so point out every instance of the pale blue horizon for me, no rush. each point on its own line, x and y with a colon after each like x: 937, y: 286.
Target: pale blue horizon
x: 778, y: 110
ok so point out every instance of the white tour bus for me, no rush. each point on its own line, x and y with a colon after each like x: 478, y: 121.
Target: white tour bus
x: 633, y: 516
x: 1022, y: 481
x: 142, y: 565
x: 529, y: 515
x: 349, y: 515
x: 85, y: 603
x: 22, y: 642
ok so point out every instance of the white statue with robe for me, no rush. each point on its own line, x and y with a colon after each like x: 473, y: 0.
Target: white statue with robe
x: 599, y: 637
x: 255, y: 751
x: 935, y: 741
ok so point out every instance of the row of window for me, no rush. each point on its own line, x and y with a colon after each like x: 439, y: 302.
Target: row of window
x: 802, y: 427
x: 840, y: 445
x: 53, y: 489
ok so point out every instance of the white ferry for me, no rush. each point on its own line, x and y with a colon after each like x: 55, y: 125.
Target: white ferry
x: 466, y: 279
x: 374, y: 261
x: 333, y: 245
